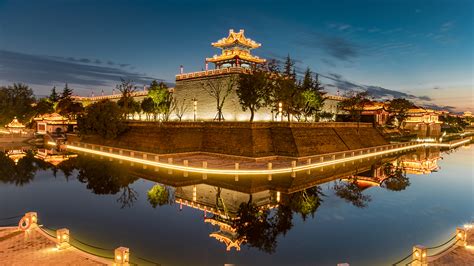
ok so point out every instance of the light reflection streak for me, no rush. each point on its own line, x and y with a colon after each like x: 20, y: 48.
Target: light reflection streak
x: 259, y: 171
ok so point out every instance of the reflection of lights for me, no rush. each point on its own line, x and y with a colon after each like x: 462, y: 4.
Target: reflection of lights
x: 278, y: 196
x: 205, y: 170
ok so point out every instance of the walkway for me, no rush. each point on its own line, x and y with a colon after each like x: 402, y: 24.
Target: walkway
x: 33, y: 247
x: 458, y: 255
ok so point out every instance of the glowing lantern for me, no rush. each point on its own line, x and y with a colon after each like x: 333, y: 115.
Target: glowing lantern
x: 62, y: 236
x: 122, y: 256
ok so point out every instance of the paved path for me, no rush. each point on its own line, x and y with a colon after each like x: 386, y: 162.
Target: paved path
x: 459, y: 255
x: 34, y: 248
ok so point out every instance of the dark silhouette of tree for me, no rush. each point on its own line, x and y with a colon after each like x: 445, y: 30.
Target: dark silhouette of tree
x: 305, y: 202
x: 127, y: 88
x: 253, y: 91
x: 396, y: 179
x: 312, y: 92
x: 54, y: 96
x: 351, y: 192
x: 44, y: 106
x: 67, y: 92
x: 103, y: 118
x: 354, y: 104
x: 148, y: 107
x: 20, y: 173
x: 16, y: 101
x: 399, y: 108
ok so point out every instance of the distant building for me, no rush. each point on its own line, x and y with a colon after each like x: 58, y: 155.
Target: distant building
x: 54, y: 123
x: 423, y: 122
x: 15, y: 127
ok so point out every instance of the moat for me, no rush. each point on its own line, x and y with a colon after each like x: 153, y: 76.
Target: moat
x: 367, y: 212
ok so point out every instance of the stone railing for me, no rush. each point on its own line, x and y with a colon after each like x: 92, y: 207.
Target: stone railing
x: 213, y: 72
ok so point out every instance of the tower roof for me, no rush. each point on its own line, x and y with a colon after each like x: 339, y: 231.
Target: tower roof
x: 236, y: 38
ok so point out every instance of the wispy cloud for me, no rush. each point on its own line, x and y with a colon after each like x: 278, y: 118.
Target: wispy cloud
x: 48, y: 70
x: 335, y: 46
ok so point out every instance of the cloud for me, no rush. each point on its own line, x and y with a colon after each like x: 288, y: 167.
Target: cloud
x: 447, y: 26
x: 49, y: 70
x: 379, y: 93
x: 335, y: 46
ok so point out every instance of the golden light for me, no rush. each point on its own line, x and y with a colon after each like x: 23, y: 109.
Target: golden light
x: 63, y: 238
x: 122, y: 255
x: 271, y: 171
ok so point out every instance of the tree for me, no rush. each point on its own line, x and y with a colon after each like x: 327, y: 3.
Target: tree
x: 148, y: 106
x: 126, y: 88
x: 104, y: 118
x: 220, y: 89
x: 289, y: 68
x: 44, y: 106
x: 54, y: 96
x: 68, y: 108
x: 253, y: 91
x: 162, y: 98
x: 181, y: 108
x: 305, y: 202
x: 67, y: 92
x: 313, y: 96
x: 16, y: 100
x: 399, y: 108
x: 354, y: 103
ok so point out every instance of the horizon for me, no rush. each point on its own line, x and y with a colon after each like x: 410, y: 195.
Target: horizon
x: 417, y: 50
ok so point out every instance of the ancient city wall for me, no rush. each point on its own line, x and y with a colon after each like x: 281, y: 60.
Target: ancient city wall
x: 245, y: 139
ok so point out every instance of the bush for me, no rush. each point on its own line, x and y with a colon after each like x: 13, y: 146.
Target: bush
x: 104, y: 118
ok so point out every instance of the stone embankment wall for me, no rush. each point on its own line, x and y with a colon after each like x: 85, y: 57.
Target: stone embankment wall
x: 243, y: 138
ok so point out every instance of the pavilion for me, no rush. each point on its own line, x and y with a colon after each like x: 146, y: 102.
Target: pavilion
x: 15, y: 126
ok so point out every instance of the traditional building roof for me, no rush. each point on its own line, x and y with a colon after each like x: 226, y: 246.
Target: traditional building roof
x: 236, y: 38
x: 15, y: 124
x: 234, y: 48
x: 51, y: 117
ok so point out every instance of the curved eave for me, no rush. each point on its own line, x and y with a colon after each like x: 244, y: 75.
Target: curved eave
x: 225, y: 44
x: 223, y: 58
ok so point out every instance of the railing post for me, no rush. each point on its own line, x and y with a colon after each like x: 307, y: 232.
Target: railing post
x: 293, y: 165
x: 204, y: 165
x: 185, y: 163
x: 29, y: 220
x: 419, y: 257
x: 461, y: 236
x: 309, y: 163
x: 170, y: 161
x: 269, y: 167
x: 122, y: 256
x: 237, y: 168
x: 62, y: 236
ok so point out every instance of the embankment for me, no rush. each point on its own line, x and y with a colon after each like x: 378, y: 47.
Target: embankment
x: 243, y: 138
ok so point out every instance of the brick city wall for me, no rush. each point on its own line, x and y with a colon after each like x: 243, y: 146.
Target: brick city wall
x: 245, y: 139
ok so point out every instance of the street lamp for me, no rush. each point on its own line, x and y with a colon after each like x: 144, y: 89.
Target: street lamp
x: 280, y: 110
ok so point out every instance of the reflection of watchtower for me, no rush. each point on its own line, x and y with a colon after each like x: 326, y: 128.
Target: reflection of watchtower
x: 235, y: 51
x: 226, y: 234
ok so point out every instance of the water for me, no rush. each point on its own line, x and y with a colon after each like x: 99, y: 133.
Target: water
x: 321, y: 218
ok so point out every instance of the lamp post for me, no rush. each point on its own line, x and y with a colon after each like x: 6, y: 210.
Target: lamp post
x: 280, y: 111
x: 195, y: 103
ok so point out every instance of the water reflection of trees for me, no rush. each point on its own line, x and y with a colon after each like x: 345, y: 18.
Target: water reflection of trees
x: 260, y: 227
x: 103, y: 177
x: 351, y: 192
x: 160, y: 195
x: 21, y: 172
x: 396, y: 179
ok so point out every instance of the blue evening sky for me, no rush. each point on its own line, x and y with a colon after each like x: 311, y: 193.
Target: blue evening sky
x: 422, y: 49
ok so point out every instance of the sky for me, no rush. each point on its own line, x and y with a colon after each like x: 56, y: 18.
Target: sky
x: 421, y: 50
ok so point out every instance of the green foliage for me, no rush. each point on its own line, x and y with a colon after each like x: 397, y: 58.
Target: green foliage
x: 16, y: 100
x: 162, y: 98
x: 454, y: 124
x: 104, y: 118
x: 305, y: 202
x: 148, y: 106
x: 313, y: 96
x: 126, y: 88
x: 159, y: 195
x: 253, y: 91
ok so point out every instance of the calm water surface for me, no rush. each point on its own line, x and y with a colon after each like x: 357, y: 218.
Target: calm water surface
x: 366, y: 213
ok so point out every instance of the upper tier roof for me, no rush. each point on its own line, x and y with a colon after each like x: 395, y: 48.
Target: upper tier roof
x: 234, y: 38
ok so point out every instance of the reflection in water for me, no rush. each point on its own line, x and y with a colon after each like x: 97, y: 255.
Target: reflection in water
x: 252, y: 211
